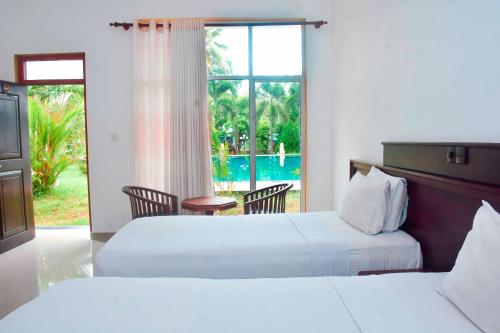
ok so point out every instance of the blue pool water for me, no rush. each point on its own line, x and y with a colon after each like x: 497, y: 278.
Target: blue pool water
x: 268, y: 168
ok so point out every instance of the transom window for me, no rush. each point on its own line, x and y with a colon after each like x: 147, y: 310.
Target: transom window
x: 56, y: 68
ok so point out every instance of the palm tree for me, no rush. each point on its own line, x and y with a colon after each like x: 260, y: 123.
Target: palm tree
x: 229, y: 111
x: 292, y: 102
x: 237, y: 112
x: 52, y: 124
x: 217, y: 102
x: 217, y: 63
x: 270, y: 97
x: 74, y: 93
x: 69, y: 97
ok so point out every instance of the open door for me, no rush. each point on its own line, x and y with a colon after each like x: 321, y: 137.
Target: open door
x: 16, y: 200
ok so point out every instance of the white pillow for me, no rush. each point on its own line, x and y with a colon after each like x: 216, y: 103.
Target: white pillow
x: 473, y: 284
x: 398, y: 202
x: 357, y: 177
x: 365, y: 204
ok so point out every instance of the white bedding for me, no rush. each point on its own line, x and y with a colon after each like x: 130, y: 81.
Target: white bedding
x: 388, y: 303
x: 252, y: 246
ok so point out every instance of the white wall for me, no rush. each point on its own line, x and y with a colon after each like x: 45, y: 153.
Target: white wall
x: 35, y: 26
x: 412, y: 71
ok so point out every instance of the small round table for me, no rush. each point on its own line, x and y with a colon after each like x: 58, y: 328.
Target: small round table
x: 209, y: 204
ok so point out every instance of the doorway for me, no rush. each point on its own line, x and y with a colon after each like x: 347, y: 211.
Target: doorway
x: 58, y: 137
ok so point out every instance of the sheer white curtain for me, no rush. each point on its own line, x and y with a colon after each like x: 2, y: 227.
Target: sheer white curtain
x: 171, y: 118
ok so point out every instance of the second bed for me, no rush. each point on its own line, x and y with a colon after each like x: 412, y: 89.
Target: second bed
x: 252, y: 246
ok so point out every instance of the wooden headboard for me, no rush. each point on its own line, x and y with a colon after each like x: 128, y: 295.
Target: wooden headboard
x: 440, y: 210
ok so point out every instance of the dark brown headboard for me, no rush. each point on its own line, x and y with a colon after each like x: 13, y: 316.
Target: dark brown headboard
x: 440, y: 211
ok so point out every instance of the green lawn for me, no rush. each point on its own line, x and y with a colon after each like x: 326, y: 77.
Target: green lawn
x: 292, y: 202
x: 66, y: 204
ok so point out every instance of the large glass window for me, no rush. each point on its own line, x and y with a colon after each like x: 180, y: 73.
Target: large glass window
x: 255, y: 99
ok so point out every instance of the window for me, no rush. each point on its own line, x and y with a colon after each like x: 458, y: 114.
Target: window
x: 255, y: 100
x: 64, y: 68
x: 277, y: 50
x: 52, y: 70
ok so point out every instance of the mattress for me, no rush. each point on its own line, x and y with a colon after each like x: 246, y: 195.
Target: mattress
x: 384, y: 251
x: 252, y: 246
x: 388, y: 303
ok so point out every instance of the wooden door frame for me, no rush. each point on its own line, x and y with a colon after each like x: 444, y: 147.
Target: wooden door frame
x: 20, y: 61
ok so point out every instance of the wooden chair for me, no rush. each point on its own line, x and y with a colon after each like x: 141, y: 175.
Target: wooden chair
x: 268, y: 200
x: 149, y: 202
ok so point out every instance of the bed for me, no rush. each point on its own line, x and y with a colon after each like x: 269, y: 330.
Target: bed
x: 404, y: 302
x: 316, y: 244
x: 252, y: 246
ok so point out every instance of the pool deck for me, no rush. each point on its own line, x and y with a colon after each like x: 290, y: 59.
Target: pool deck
x: 245, y: 186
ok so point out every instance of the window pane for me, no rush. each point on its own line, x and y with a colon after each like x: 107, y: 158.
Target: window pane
x: 229, y: 120
x: 277, y: 50
x: 227, y: 51
x: 278, y: 138
x: 54, y: 70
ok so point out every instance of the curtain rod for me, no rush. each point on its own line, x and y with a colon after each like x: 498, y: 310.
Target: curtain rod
x: 316, y: 24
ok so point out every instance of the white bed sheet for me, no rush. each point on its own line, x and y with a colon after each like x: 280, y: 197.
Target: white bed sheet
x: 251, y: 246
x: 321, y: 304
x: 385, y: 251
x: 421, y: 296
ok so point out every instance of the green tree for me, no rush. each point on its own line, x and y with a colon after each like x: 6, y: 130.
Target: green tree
x: 289, y: 134
x: 289, y: 128
x: 277, y: 109
x: 217, y: 63
x: 270, y: 107
x: 262, y: 138
x: 292, y: 103
x: 219, y: 101
x: 57, y: 132
x: 236, y: 117
x: 228, y: 112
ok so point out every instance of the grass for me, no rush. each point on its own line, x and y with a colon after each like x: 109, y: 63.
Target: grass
x: 292, y: 202
x: 66, y: 204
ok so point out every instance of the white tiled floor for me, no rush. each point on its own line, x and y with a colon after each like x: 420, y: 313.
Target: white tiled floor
x: 54, y: 255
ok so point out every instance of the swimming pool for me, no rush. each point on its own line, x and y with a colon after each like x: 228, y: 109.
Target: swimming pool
x: 268, y: 168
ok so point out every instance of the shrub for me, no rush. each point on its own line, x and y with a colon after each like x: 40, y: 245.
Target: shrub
x: 289, y: 134
x: 220, y: 169
x: 51, y: 128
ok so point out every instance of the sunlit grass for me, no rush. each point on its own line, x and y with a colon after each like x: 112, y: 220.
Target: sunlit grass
x: 66, y: 204
x: 292, y: 202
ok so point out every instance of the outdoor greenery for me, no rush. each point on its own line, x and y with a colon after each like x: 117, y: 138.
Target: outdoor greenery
x: 57, y: 136
x: 277, y: 108
x: 67, y: 203
x: 57, y: 132
x: 220, y: 166
x: 292, y: 202
x: 58, y: 154
x: 277, y: 118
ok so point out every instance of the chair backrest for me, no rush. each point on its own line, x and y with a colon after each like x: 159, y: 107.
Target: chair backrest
x: 267, y: 200
x: 149, y: 202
